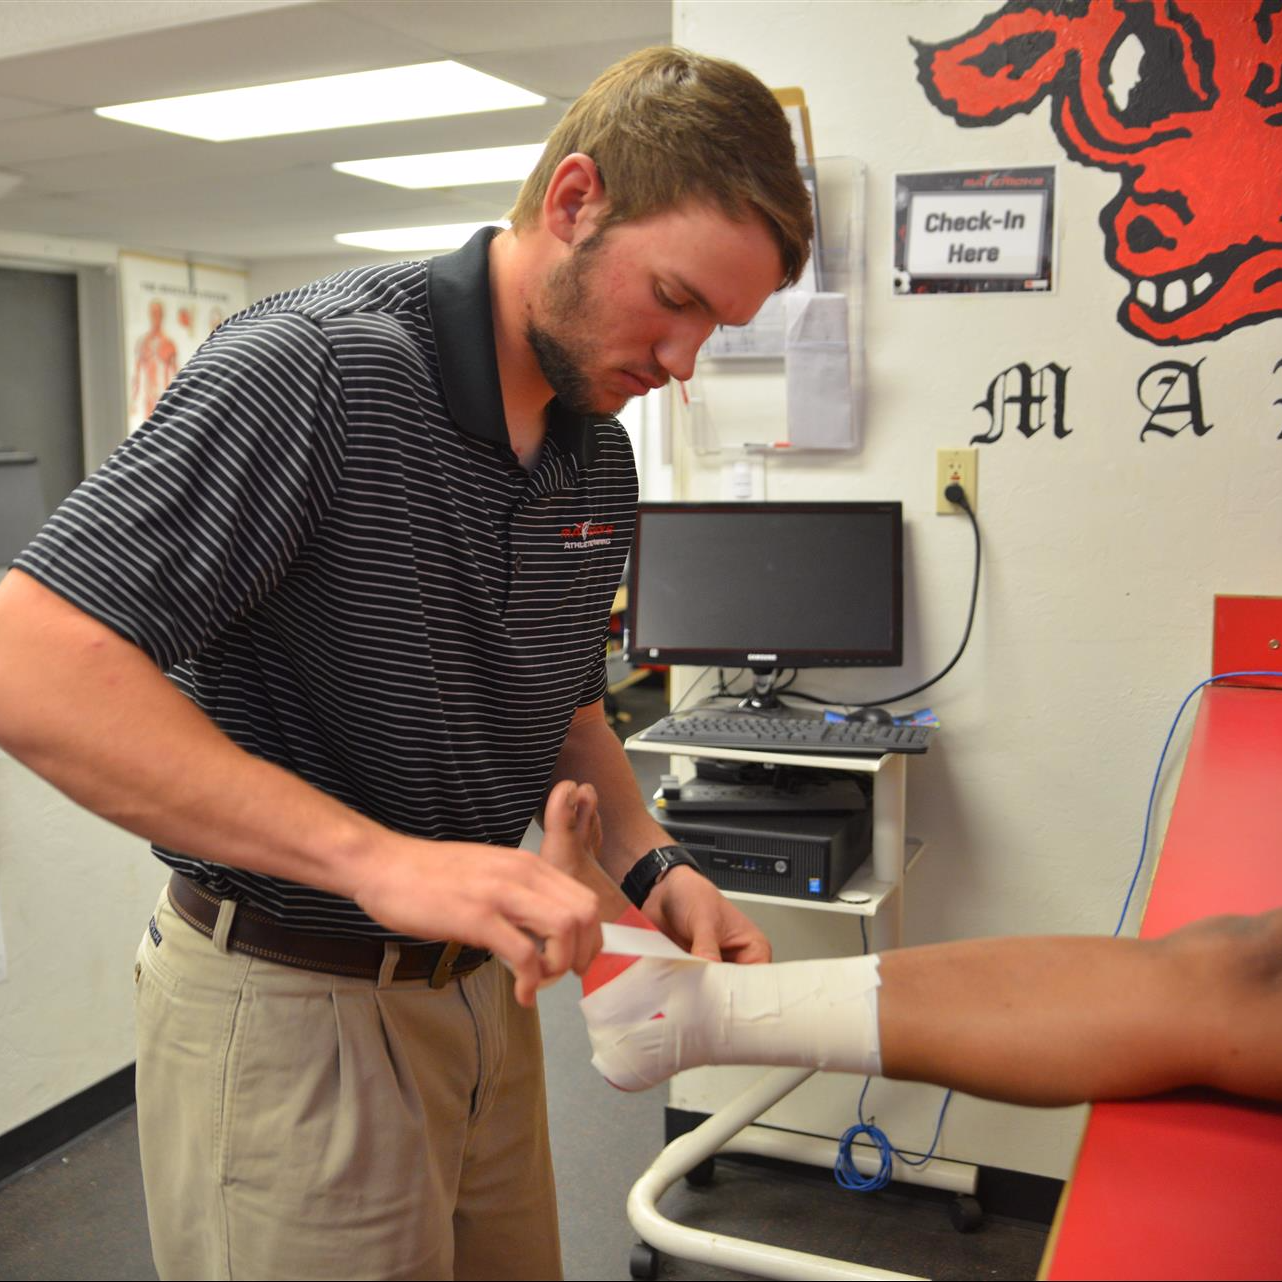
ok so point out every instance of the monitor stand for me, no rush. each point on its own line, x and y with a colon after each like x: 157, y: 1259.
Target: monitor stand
x: 763, y: 698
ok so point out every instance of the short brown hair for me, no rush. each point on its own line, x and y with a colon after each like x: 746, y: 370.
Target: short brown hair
x: 665, y: 126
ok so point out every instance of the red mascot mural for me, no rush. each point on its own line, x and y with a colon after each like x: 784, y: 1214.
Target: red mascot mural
x: 1184, y: 101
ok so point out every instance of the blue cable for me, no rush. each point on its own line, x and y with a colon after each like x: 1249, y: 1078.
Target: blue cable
x: 844, y: 1170
x: 1157, y: 775
x: 847, y: 1174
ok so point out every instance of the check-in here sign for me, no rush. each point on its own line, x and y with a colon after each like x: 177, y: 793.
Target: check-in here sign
x: 982, y: 233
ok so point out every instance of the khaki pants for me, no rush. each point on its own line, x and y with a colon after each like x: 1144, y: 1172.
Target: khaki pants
x: 301, y: 1125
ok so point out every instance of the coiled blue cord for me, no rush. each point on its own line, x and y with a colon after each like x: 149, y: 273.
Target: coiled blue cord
x: 847, y: 1174
x: 844, y: 1170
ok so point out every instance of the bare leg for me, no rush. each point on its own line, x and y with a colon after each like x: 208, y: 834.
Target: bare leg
x: 1050, y: 1020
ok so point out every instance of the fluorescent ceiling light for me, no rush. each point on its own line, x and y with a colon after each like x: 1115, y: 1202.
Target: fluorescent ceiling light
x: 401, y: 239
x: 448, y: 168
x: 327, y: 102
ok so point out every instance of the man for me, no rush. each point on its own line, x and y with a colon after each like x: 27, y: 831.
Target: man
x: 349, y: 533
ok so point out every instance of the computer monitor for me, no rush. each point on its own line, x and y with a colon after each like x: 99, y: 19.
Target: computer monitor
x: 767, y: 586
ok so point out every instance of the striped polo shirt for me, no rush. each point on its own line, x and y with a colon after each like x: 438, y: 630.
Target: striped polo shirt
x: 323, y: 536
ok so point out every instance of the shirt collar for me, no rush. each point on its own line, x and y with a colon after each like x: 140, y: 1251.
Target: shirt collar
x: 458, y: 297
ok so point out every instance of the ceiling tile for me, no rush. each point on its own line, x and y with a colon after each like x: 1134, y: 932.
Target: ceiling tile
x: 561, y: 72
x: 17, y: 108
x: 30, y: 25
x: 250, y: 49
x: 73, y: 133
x: 493, y: 26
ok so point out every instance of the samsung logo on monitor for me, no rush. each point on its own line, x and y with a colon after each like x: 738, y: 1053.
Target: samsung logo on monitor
x: 762, y: 658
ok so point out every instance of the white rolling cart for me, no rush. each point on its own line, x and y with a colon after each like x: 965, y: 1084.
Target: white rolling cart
x: 876, y: 889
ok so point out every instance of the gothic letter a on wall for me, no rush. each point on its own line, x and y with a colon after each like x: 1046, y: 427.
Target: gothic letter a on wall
x: 1171, y: 391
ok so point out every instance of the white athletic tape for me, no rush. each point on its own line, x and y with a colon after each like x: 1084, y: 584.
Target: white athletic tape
x: 811, y: 1014
x: 634, y: 941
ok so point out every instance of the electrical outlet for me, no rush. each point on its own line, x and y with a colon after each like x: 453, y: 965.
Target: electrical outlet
x: 744, y: 479
x: 962, y: 467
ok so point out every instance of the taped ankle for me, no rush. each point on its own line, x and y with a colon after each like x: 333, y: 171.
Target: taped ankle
x: 659, y: 1017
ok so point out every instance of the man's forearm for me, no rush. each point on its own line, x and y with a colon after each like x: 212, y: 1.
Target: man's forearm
x: 91, y: 713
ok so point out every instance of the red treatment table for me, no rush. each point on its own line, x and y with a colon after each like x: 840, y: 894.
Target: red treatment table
x: 1189, y: 1185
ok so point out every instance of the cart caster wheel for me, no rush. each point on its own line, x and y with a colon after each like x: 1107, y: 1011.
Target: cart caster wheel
x: 643, y: 1262
x: 700, y: 1177
x: 965, y: 1213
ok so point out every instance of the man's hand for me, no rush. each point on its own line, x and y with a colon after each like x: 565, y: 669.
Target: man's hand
x: 689, y: 909
x: 538, y: 920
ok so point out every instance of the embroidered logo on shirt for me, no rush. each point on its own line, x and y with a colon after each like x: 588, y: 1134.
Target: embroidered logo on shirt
x: 155, y: 932
x: 587, y: 534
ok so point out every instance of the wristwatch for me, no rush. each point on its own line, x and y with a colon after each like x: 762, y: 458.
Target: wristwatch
x: 645, y: 874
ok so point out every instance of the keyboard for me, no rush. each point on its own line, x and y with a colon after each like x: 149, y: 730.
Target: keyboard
x: 763, y: 732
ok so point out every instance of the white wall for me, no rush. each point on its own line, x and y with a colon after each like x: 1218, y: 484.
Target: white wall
x: 1102, y: 551
x: 75, y: 895
x: 269, y: 276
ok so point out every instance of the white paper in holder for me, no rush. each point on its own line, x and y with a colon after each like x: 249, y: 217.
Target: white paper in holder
x: 821, y: 411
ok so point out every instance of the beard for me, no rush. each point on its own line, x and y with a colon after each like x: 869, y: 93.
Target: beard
x: 561, y: 344
x: 562, y: 367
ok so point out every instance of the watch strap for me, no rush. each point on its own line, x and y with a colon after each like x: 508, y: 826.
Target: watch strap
x: 645, y: 874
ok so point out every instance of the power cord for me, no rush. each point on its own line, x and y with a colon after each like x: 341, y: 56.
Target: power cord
x: 954, y: 493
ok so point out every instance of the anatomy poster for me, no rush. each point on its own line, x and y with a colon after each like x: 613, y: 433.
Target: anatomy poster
x: 169, y: 308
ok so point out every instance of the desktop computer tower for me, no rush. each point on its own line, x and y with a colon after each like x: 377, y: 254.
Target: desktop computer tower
x: 789, y: 854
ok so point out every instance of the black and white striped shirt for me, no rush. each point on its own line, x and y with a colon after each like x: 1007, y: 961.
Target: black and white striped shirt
x: 323, y: 536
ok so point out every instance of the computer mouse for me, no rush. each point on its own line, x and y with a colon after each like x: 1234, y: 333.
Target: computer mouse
x: 872, y: 715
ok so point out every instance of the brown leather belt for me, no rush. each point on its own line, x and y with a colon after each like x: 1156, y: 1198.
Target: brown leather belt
x: 262, y: 936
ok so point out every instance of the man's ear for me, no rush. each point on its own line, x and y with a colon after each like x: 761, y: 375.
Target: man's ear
x: 574, y: 200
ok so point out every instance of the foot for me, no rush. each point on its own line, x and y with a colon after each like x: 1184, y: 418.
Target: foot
x: 572, y: 830
x: 660, y: 1017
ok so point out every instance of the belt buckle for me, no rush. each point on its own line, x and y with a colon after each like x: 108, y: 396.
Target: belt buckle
x: 443, y: 971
